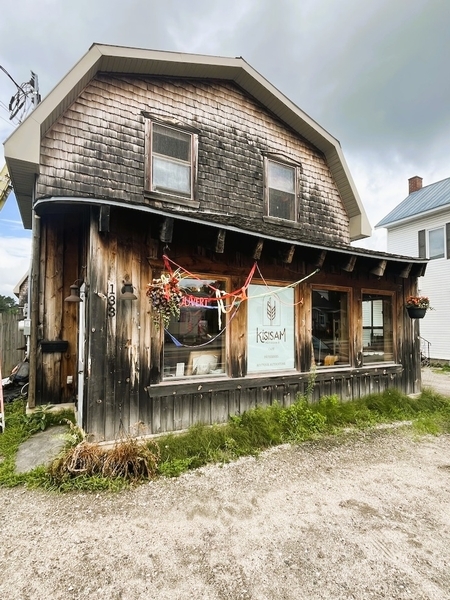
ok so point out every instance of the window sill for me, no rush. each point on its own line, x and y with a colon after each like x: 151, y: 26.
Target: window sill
x: 282, y: 222
x: 168, y: 199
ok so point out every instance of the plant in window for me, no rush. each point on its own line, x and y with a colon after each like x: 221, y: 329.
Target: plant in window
x: 165, y: 297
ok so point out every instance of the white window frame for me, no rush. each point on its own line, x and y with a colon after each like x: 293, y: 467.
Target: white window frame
x: 173, y: 195
x: 429, y: 231
x: 276, y: 160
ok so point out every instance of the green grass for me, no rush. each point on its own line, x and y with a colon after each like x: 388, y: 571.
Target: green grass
x: 19, y: 427
x: 262, y: 428
x: 247, y: 434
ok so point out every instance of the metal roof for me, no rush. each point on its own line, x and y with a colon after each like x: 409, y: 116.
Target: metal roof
x: 430, y: 198
x: 22, y: 148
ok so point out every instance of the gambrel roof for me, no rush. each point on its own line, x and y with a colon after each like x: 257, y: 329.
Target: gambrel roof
x: 429, y: 199
x: 22, y: 148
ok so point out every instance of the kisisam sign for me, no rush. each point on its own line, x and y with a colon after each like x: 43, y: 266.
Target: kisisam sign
x: 270, y: 340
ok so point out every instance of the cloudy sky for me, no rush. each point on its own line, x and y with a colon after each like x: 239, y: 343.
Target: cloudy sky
x: 373, y: 73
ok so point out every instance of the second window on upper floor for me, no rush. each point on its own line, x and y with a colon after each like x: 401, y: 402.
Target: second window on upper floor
x: 281, y: 190
x: 171, y: 161
x: 436, y: 243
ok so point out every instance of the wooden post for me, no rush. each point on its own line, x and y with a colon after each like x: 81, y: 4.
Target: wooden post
x: 2, y: 406
x: 34, y: 310
x: 220, y: 241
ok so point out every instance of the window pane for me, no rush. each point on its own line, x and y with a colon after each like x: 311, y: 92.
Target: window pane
x: 281, y: 195
x: 170, y: 175
x: 170, y: 142
x: 281, y: 177
x: 377, y: 328
x: 436, y: 243
x: 270, y: 336
x: 186, y: 351
x: 281, y: 205
x: 330, y: 337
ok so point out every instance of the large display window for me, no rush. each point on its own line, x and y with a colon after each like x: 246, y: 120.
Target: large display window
x: 194, y: 341
x: 378, y: 330
x: 330, y: 330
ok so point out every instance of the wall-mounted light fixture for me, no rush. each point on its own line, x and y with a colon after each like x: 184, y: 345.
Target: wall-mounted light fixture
x: 74, y: 293
x: 127, y: 291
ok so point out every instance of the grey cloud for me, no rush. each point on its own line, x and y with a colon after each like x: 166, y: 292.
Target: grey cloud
x: 372, y: 73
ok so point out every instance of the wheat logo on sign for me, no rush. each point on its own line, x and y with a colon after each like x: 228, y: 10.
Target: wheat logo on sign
x: 272, y: 311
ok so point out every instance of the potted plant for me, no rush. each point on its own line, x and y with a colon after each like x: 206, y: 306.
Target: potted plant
x: 165, y: 298
x: 417, y: 306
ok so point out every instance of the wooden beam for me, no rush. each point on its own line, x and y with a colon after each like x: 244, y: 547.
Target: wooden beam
x: 288, y: 254
x: 153, y: 247
x: 220, y: 241
x: 320, y: 259
x: 258, y: 249
x: 349, y: 264
x: 379, y: 268
x: 405, y: 271
x: 104, y: 218
x: 166, y: 231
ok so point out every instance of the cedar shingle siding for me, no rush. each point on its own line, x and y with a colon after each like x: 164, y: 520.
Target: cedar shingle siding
x: 96, y: 149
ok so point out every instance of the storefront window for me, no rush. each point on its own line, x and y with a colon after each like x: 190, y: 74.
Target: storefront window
x: 194, y: 343
x: 270, y: 336
x: 377, y: 328
x: 330, y: 336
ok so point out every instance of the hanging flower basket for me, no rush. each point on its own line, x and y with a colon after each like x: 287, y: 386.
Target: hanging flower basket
x: 417, y: 306
x: 416, y: 313
x: 165, y: 297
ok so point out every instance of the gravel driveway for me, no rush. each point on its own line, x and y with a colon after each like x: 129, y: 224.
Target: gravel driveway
x: 361, y: 516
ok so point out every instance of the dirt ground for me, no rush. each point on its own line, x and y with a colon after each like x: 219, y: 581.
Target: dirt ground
x: 365, y: 516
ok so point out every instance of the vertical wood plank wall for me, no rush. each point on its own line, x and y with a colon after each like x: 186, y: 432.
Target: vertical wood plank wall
x: 124, y: 390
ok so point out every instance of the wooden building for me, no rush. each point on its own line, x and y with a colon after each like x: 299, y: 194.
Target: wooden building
x: 195, y: 175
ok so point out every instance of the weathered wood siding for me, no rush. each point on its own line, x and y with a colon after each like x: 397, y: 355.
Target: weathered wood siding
x: 62, y: 262
x: 97, y: 150
x: 175, y: 407
x: 123, y: 385
x: 11, y: 339
x: 95, y: 153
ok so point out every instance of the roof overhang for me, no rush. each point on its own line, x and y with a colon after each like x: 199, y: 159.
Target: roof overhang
x: 418, y: 264
x: 416, y: 217
x: 22, y: 148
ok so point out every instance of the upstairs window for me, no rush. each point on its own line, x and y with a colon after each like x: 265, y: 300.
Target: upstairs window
x: 170, y: 166
x: 436, y: 243
x: 281, y: 190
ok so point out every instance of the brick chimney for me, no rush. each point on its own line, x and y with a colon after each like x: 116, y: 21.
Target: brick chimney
x: 415, y: 184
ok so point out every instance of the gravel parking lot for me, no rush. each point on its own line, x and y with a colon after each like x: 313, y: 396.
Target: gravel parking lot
x: 363, y: 516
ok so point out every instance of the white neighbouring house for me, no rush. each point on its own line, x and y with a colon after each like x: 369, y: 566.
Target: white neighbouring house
x: 420, y: 226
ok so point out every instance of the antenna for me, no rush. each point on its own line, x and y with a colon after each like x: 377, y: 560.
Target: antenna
x: 27, y: 95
